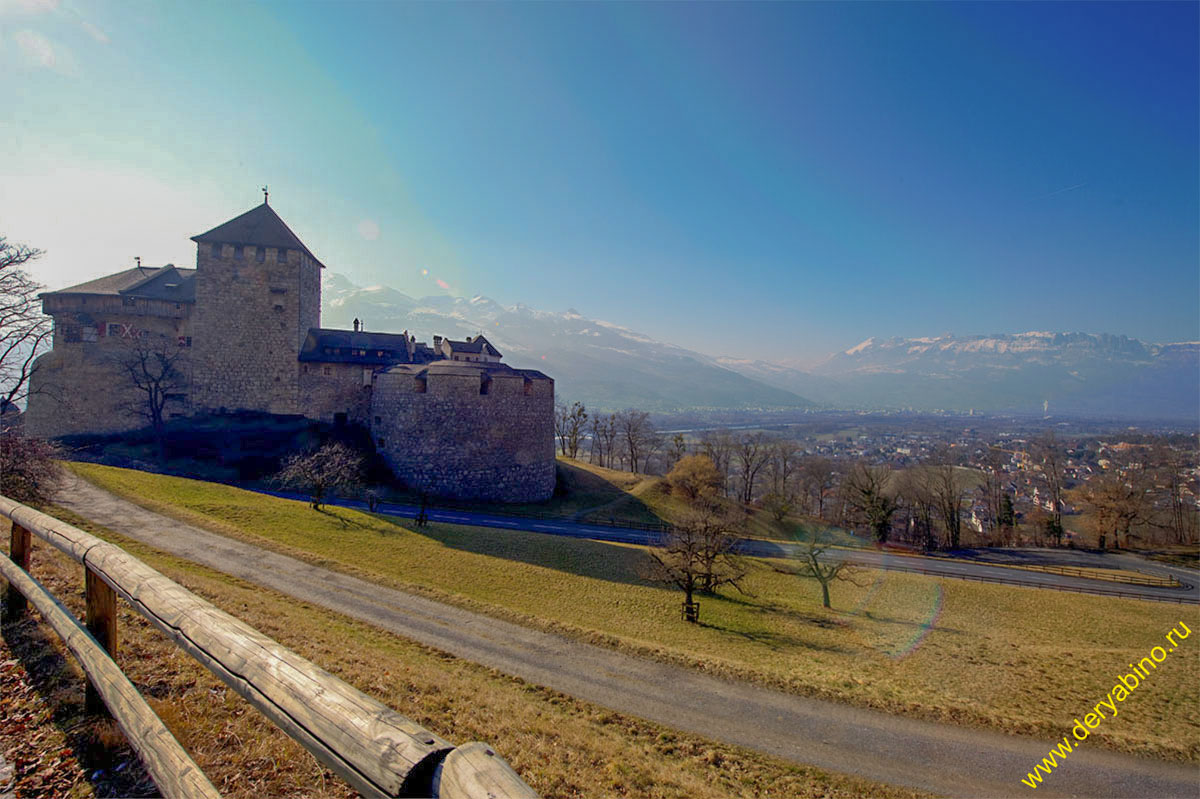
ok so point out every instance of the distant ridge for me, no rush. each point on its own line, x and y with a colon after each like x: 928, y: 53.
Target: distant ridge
x: 608, y: 366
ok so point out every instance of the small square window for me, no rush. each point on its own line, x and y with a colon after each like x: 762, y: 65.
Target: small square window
x: 260, y: 254
x: 281, y: 255
x: 328, y: 370
x: 237, y: 251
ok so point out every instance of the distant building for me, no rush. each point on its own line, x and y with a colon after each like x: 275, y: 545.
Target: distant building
x: 449, y: 419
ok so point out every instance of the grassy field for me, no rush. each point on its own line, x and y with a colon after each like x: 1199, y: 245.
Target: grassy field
x: 561, y: 746
x: 1015, y: 659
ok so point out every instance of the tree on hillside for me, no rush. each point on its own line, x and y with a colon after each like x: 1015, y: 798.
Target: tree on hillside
x: 29, y: 471
x: 817, y: 565
x: 156, y: 371
x: 782, y: 464
x: 950, y: 488
x: 1120, y: 498
x: 698, y: 556
x: 24, y: 330
x: 636, y: 434
x: 695, y: 478
x: 1051, y: 456
x: 994, y: 480
x: 678, y: 448
x: 718, y: 446
x: 604, y: 439
x: 322, y: 471
x: 916, y: 493
x: 751, y: 454
x: 868, y: 495
x: 568, y: 426
x: 819, y: 478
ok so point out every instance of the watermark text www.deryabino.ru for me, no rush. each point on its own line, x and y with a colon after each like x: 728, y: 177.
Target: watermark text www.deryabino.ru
x: 1106, y: 708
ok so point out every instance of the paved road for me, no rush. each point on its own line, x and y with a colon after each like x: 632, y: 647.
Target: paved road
x: 941, y: 566
x: 935, y: 757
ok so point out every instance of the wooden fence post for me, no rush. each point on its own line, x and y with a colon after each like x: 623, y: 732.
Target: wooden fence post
x: 102, y: 624
x: 20, y: 544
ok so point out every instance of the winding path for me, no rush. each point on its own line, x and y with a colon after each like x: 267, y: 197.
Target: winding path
x: 944, y: 566
x: 935, y: 757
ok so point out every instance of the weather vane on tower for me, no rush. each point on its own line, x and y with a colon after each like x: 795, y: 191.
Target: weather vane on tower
x: 266, y: 195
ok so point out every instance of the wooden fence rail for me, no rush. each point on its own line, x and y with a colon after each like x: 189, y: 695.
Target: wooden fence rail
x: 375, y: 749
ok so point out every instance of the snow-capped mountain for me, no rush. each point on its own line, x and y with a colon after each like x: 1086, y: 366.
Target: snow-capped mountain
x: 604, y: 365
x: 612, y: 367
x: 1075, y: 373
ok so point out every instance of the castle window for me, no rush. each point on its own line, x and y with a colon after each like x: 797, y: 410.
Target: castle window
x: 237, y: 251
x: 485, y: 385
x: 114, y: 330
x: 281, y: 255
x: 71, y: 334
x: 528, y: 386
x: 216, y: 251
x: 278, y: 307
x: 260, y: 254
x: 420, y: 386
x: 185, y: 341
x: 278, y: 290
x: 328, y: 370
x: 128, y: 302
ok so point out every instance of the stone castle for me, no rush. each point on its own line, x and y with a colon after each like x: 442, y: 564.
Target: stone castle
x: 244, y: 330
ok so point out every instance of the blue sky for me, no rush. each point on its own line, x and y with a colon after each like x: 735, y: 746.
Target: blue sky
x: 777, y: 179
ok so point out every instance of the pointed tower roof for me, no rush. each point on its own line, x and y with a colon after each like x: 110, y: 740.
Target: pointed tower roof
x: 260, y: 227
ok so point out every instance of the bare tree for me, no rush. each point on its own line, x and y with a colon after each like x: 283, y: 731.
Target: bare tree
x: 568, y: 426
x: 1049, y: 453
x: 29, y: 472
x: 24, y: 330
x: 317, y: 473
x: 156, y: 371
x: 820, y: 479
x: 949, y: 488
x: 868, y: 495
x: 698, y: 556
x: 782, y: 465
x: 994, y: 479
x: 678, y: 449
x: 825, y: 569
x: 636, y: 432
x: 751, y: 453
x: 916, y: 491
x: 604, y: 437
x: 718, y: 446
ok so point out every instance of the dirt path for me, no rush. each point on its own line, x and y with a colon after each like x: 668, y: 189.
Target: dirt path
x: 935, y: 757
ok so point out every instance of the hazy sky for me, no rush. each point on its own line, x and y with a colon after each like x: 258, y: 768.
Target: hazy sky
x: 786, y: 179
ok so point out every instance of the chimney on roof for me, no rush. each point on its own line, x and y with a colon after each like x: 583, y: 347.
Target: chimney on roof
x: 138, y: 258
x: 355, y: 325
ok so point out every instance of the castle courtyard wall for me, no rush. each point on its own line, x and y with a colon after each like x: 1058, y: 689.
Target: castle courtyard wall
x: 451, y: 440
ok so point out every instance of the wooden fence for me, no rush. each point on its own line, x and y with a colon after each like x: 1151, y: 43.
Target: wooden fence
x: 375, y: 749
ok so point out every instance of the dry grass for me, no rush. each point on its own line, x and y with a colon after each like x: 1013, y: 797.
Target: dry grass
x: 1021, y: 660
x: 561, y: 746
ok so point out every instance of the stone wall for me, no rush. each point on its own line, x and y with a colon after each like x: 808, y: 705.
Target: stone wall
x: 327, y: 389
x: 78, y: 386
x: 451, y: 440
x: 250, y: 321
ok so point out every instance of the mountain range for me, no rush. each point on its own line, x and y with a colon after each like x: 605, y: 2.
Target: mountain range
x: 610, y: 367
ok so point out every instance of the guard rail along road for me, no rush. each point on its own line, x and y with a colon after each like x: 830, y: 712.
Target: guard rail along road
x: 375, y: 749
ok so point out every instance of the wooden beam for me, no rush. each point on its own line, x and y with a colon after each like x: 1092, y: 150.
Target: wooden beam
x: 173, y: 770
x: 474, y: 770
x: 102, y: 624
x: 375, y: 749
x: 20, y: 547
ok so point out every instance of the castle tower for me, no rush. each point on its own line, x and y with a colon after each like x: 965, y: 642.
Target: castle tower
x: 258, y: 292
